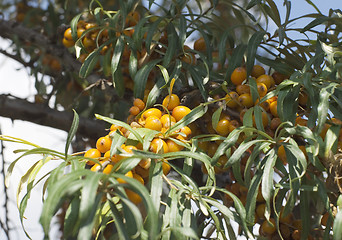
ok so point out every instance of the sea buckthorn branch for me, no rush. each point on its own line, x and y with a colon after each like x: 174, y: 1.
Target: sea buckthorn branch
x: 17, y: 108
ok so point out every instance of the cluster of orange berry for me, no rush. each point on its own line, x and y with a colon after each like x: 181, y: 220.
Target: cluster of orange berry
x: 162, y: 121
x: 151, y: 118
x: 52, y: 62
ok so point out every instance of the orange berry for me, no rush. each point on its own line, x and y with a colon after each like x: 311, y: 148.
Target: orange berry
x: 242, y: 88
x: 145, y: 164
x: 157, y: 145
x: 232, y: 99
x: 114, y: 127
x: 97, y: 166
x: 275, y: 122
x: 211, y: 149
x: 68, y: 35
x: 222, y: 127
x: 246, y: 100
x: 167, y: 120
x: 173, y: 147
x: 180, y: 111
x: 257, y: 71
x: 132, y: 18
x: 265, y: 104
x: 152, y: 112
x: 286, y: 219
x: 186, y: 130
x: 68, y: 43
x: 82, y: 57
x: 267, y: 80
x: 274, y: 108
x: 139, y: 103
x: 189, y: 58
x: 260, y: 198
x: 143, y: 172
x: 107, y: 155
x: 55, y: 65
x: 139, y: 178
x: 90, y: 25
x: 134, y: 110
x: 232, y: 125
x: 126, y: 149
x: 272, y: 99
x: 88, y: 43
x: 92, y: 153
x: 133, y: 197
x: 296, y: 234
x: 108, y: 169
x: 282, y: 154
x: 103, y: 144
x: 238, y: 76
x: 262, y: 89
x: 260, y: 211
x: 154, y: 123
x: 267, y: 228
x: 128, y: 174
x: 324, y: 130
x: 278, y: 77
x: 166, y: 168
x: 199, y: 45
x: 170, y: 102
x: 235, y: 189
x: 203, y: 146
x: 80, y: 31
x: 285, y: 231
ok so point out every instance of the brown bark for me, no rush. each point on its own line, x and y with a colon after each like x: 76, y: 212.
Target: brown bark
x: 41, y: 114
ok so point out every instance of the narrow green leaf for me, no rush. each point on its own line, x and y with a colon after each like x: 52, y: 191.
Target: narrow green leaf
x: 65, y: 186
x: 305, y: 213
x: 323, y: 105
x: 119, y: 47
x: 195, y: 113
x: 172, y: 44
x: 216, y: 117
x: 156, y: 183
x: 89, y: 64
x: 71, y: 133
x: 317, y: 21
x: 267, y: 181
x: 236, y: 156
x: 73, y: 26
x: 222, y: 47
x: 133, y: 218
x: 118, y: 221
x: 274, y: 13
x: 141, y: 78
x: 337, y: 228
x: 71, y: 225
x: 199, y: 81
x: 252, y: 47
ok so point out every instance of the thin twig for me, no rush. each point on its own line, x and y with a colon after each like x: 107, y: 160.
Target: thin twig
x: 168, y: 181
x: 4, y: 225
